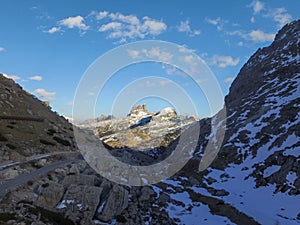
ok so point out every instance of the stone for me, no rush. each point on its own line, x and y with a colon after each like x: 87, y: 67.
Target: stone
x: 146, y: 193
x: 50, y: 195
x: 80, y: 202
x: 80, y: 179
x: 115, y: 203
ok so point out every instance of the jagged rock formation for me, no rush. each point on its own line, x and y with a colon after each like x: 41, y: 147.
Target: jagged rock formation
x: 28, y: 126
x: 141, y: 129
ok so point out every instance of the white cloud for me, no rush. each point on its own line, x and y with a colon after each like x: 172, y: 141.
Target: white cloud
x: 2, y: 49
x: 260, y: 36
x: 241, y: 43
x: 185, y: 27
x: 154, y: 27
x: 110, y: 26
x: 72, y: 22
x: 44, y: 95
x: 150, y: 84
x: 53, y: 30
x: 254, y: 35
x: 133, y: 53
x: 130, y: 19
x: 257, y: 6
x: 69, y: 118
x: 279, y: 15
x: 101, y: 15
x: 157, y: 53
x: 183, y: 49
x: 252, y: 19
x: 37, y: 78
x: 218, y: 22
x: 126, y: 27
x: 228, y: 79
x: 163, y: 83
x: 189, y: 59
x: 213, y: 21
x: 172, y: 70
x: 197, y: 32
x: 224, y: 61
x: 160, y: 83
x: 13, y: 77
x: 153, y: 53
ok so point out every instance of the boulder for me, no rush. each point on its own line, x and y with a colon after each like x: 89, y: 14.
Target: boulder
x: 80, y: 203
x: 50, y: 195
x: 115, y: 203
x: 80, y: 179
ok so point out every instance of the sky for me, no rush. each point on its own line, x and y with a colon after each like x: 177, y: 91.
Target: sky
x: 49, y: 47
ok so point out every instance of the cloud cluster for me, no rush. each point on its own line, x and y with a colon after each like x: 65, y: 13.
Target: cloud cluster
x: 70, y: 22
x: 278, y: 15
x: 257, y: 6
x: 13, y: 77
x: 37, y: 78
x: 218, y: 22
x: 254, y: 35
x: 153, y: 53
x: 2, y: 49
x: 224, y: 61
x: 186, y: 28
x: 124, y: 27
x: 53, y: 30
x: 260, y: 36
x: 157, y: 83
x: 44, y: 95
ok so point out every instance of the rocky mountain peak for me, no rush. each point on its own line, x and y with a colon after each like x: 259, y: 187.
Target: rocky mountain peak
x: 138, y: 110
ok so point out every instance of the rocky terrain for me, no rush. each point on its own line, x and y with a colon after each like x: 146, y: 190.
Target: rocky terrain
x: 255, y: 178
x: 140, y: 129
x: 28, y: 126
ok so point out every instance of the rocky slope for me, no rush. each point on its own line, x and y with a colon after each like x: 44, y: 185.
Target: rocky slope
x: 257, y: 171
x: 28, y: 126
x: 141, y: 129
x: 255, y: 178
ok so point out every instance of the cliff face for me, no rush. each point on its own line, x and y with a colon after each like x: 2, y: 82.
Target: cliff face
x: 28, y: 126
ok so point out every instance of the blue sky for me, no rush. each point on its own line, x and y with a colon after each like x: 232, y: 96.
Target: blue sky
x: 47, y: 46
